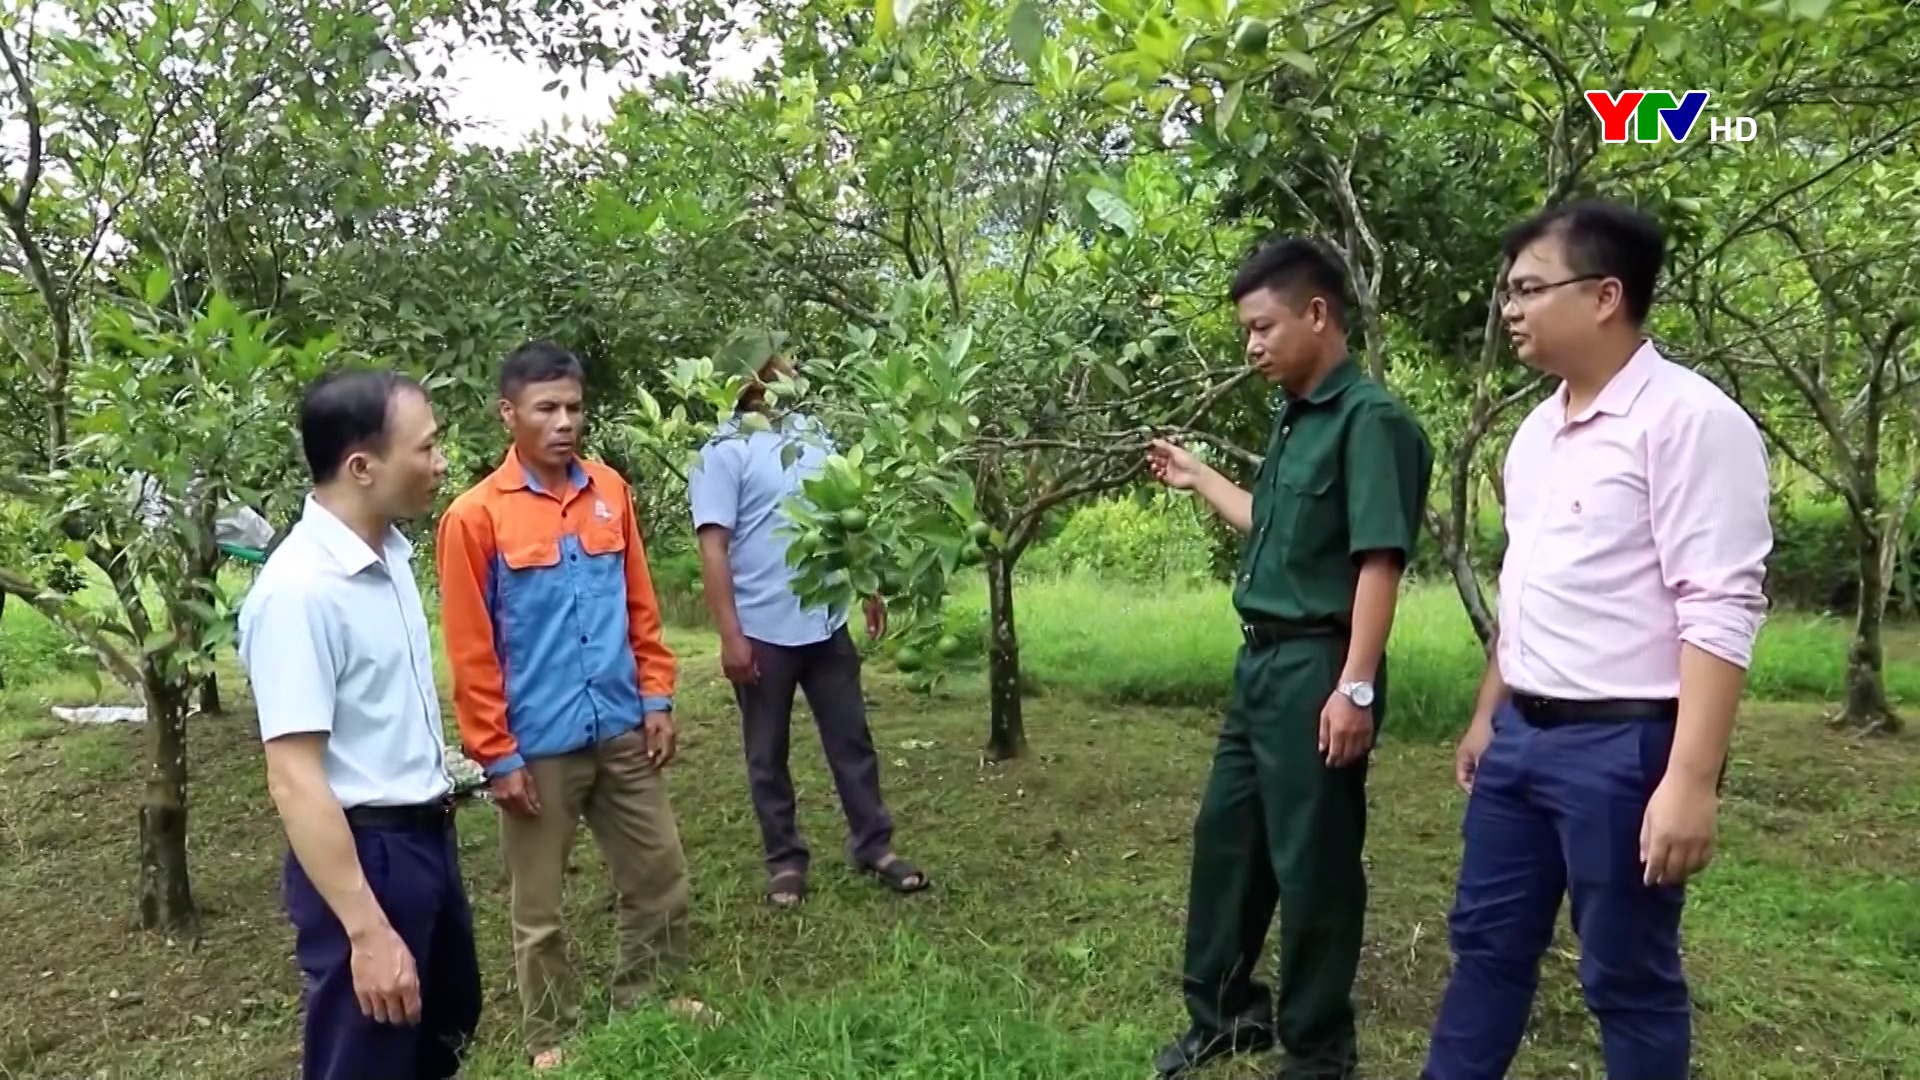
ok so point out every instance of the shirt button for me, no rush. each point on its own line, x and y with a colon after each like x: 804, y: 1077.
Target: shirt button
x: 583, y: 639
x: 1576, y: 506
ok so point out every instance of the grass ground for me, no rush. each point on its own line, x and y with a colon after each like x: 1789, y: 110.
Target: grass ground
x: 1048, y: 949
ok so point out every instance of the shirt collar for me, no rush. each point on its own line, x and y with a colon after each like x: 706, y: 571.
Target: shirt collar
x: 513, y: 476
x: 1333, y: 383
x: 346, y: 546
x: 1617, y: 397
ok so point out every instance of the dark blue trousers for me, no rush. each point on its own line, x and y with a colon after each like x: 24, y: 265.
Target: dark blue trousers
x: 415, y: 875
x: 1558, y: 810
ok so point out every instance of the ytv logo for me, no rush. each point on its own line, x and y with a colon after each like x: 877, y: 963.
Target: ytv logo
x: 1645, y: 111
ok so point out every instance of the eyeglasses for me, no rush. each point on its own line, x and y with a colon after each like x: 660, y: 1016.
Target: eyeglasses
x: 1532, y: 289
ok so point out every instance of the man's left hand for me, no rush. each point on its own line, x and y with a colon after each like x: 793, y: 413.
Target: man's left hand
x: 1346, y: 730
x: 876, y: 618
x: 661, y: 738
x: 1676, y: 836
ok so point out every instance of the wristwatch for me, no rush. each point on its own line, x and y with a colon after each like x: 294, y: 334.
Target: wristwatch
x: 1360, y: 693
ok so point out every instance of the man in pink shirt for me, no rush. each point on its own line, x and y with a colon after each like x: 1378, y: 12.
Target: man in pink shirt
x: 1637, y: 534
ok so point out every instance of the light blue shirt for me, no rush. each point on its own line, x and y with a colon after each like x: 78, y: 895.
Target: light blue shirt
x: 741, y: 484
x: 334, y: 642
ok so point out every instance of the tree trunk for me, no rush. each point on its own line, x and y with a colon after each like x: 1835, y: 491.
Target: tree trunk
x: 165, y: 890
x: 1466, y: 582
x: 210, y: 694
x: 1008, y: 735
x: 3, y: 621
x: 1867, y: 708
x: 1458, y: 557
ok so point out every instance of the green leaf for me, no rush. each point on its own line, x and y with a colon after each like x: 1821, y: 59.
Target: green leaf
x: 1299, y: 61
x: 957, y: 348
x: 158, y: 282
x: 1113, y: 210
x: 1229, y: 104
x: 1808, y: 9
x: 1027, y: 32
x: 890, y: 15
x: 1668, y: 41
x: 1159, y: 41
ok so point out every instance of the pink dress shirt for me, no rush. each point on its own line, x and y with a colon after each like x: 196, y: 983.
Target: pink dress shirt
x: 1637, y: 525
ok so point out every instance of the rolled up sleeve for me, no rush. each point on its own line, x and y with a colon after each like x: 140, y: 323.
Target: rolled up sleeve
x: 1709, y: 494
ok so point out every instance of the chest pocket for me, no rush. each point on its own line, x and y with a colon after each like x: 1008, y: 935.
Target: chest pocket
x: 602, y: 538
x: 529, y: 583
x: 1608, y: 509
x: 523, y: 555
x: 1301, y: 522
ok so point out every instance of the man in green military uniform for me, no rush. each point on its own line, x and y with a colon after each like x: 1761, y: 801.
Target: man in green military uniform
x: 1331, y: 524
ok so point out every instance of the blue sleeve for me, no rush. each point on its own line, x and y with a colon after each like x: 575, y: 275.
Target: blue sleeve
x: 713, y: 487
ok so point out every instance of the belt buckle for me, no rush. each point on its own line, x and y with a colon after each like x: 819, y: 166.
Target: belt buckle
x: 1247, y: 633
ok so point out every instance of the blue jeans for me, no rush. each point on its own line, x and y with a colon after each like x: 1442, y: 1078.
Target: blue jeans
x: 1558, y: 810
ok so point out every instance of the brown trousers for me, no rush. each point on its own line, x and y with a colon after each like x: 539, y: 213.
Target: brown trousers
x: 623, y: 798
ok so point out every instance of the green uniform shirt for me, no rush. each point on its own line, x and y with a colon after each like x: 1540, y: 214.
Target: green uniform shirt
x: 1346, y: 472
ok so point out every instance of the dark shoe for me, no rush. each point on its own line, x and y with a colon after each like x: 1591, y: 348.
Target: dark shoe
x: 1197, y: 1048
x: 1333, y: 1066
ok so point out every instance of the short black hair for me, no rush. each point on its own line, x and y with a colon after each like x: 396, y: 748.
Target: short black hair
x: 538, y: 362
x: 1602, y: 237
x: 345, y: 411
x: 1296, y: 268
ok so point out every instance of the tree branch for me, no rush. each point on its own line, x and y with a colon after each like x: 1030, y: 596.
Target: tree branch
x: 16, y: 206
x: 73, y: 618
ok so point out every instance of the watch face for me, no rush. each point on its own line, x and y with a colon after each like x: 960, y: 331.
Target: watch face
x: 1362, y: 695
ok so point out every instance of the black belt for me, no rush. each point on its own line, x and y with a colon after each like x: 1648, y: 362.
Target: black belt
x: 1556, y: 712
x: 433, y: 815
x: 1259, y: 634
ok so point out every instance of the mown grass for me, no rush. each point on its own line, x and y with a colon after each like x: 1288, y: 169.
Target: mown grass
x: 1049, y: 947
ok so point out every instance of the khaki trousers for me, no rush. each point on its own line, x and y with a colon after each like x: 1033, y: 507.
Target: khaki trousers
x: 623, y: 798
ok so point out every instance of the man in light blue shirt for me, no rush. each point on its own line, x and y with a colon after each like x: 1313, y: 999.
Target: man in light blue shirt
x: 334, y: 640
x: 770, y: 644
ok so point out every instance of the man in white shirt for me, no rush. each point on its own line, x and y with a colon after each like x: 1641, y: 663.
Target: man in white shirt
x: 335, y: 644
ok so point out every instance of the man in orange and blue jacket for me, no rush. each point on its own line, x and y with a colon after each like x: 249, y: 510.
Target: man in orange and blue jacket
x: 563, y: 688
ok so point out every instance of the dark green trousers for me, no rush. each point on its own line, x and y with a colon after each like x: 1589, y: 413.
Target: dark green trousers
x: 1277, y: 826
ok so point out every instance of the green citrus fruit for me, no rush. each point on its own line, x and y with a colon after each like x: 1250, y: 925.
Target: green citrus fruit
x: 908, y: 660
x: 853, y: 520
x: 946, y: 646
x: 980, y: 532
x: 1251, y: 36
